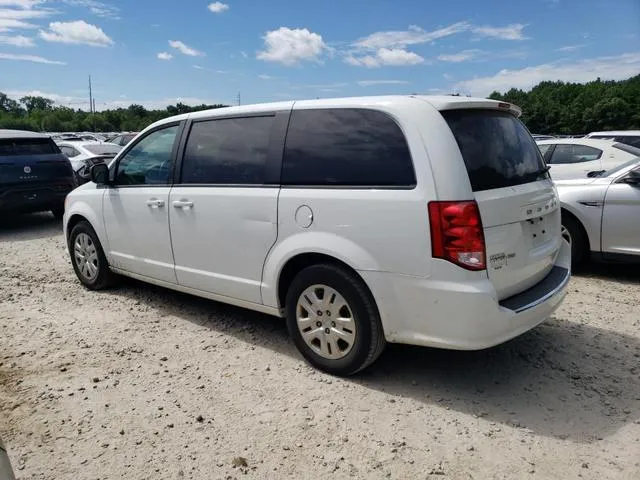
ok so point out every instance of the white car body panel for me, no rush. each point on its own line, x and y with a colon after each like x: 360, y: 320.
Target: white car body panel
x: 608, y: 210
x: 240, y: 225
x: 138, y: 231
x: 231, y: 244
x: 621, y: 220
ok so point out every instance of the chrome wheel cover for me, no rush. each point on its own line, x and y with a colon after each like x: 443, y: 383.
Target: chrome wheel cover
x: 326, y: 322
x: 85, y: 256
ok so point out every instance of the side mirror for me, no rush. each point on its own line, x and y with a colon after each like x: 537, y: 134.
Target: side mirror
x: 100, y: 174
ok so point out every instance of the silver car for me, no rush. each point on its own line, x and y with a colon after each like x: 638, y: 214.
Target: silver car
x: 6, y: 473
x: 600, y: 214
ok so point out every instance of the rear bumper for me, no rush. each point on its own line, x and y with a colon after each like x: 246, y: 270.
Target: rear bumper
x: 463, y: 316
x: 34, y: 198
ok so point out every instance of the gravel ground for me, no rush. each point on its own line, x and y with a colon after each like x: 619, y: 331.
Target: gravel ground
x: 140, y: 382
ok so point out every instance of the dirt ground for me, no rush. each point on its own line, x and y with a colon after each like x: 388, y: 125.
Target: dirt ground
x: 140, y: 382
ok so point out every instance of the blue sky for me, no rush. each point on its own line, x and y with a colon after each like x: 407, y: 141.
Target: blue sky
x: 160, y: 52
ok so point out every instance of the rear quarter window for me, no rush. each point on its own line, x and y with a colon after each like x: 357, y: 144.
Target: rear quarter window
x: 346, y: 148
x: 497, y: 149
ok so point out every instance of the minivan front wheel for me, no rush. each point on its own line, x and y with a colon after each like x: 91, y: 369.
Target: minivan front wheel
x: 333, y: 320
x: 88, y: 259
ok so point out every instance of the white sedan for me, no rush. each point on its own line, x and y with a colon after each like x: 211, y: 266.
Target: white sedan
x: 576, y: 157
x: 600, y: 214
x: 83, y: 155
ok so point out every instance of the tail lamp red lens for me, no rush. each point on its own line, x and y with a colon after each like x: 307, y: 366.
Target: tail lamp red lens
x: 457, y: 235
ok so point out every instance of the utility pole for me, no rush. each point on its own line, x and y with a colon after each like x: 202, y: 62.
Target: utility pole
x: 239, y: 99
x: 90, y: 97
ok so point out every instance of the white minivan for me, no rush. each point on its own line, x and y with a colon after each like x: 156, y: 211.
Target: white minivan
x: 406, y: 219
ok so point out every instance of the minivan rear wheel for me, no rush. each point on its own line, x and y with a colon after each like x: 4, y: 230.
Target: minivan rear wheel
x: 333, y: 320
x: 88, y: 259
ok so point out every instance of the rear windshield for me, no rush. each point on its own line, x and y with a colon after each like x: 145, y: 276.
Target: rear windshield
x: 10, y: 147
x: 103, y: 149
x: 497, y: 149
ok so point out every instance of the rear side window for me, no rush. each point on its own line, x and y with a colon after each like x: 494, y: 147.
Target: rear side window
x: 497, y: 149
x: 27, y: 146
x: 346, y: 147
x: 227, y: 151
x: 564, y: 154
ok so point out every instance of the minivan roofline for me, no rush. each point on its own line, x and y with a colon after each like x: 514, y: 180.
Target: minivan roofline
x: 440, y: 102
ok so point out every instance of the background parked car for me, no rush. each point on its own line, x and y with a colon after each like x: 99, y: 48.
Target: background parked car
x: 576, y: 157
x: 630, y: 137
x: 6, y: 472
x: 83, y: 155
x: 600, y: 215
x: 34, y: 175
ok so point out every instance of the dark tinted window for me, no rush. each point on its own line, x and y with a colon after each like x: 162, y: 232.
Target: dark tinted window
x: 347, y: 147
x: 227, y: 151
x: 27, y: 146
x: 629, y: 140
x: 574, y: 154
x: 496, y: 147
x: 150, y: 161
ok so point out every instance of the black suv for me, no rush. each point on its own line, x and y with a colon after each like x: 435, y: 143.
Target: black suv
x: 34, y: 175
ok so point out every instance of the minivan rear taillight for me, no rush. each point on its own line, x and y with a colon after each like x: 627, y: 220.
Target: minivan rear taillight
x: 456, y: 234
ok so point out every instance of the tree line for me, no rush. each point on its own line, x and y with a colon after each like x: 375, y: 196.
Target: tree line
x: 548, y: 108
x: 573, y: 108
x: 43, y: 115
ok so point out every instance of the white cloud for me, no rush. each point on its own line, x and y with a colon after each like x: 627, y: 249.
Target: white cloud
x: 265, y: 77
x: 15, y: 15
x: 99, y: 9
x: 165, y: 56
x: 571, y: 48
x: 20, y: 3
x: 218, y: 7
x: 26, y: 14
x: 185, y: 49
x: 447, y: 76
x: 608, y: 68
x: 198, y: 67
x: 8, y: 24
x: 462, y: 56
x: 29, y: 58
x: 371, y: 83
x: 510, y: 32
x: 16, y: 41
x: 78, y: 32
x: 385, y: 57
x: 244, y: 54
x: 290, y: 46
x: 414, y: 35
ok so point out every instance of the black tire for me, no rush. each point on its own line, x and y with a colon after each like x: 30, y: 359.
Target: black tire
x: 104, y: 277
x: 369, y: 337
x: 579, y: 242
x: 58, y: 212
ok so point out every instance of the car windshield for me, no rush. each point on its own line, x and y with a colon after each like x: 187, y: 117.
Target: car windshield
x: 103, y: 149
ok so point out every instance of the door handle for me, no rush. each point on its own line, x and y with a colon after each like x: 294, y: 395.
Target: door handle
x: 182, y: 204
x: 155, y: 203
